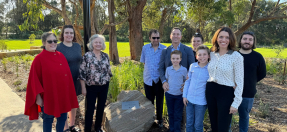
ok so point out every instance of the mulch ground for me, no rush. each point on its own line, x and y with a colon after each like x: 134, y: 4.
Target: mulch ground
x: 270, y: 94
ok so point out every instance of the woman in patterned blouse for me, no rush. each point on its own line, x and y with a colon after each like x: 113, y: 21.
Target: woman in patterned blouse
x: 95, y: 74
x: 225, y: 84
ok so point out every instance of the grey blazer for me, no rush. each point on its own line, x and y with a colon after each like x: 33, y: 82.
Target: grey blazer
x: 187, y: 59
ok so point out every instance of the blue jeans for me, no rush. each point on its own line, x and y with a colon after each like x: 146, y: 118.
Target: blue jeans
x: 48, y: 120
x: 243, y: 111
x: 194, y: 117
x: 174, y: 108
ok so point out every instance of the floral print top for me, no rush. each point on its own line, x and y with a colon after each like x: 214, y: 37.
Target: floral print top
x: 93, y: 71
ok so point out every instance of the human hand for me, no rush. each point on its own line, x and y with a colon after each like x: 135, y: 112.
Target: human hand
x: 182, y: 86
x: 84, y: 91
x: 185, y: 101
x: 39, y: 101
x: 165, y: 86
x: 235, y: 86
x: 187, y: 77
x: 232, y: 110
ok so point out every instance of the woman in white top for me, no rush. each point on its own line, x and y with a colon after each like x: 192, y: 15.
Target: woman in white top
x: 225, y: 84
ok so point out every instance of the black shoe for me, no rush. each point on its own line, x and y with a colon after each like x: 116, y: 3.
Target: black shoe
x: 160, y: 124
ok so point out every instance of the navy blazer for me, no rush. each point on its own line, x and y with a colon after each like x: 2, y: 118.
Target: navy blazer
x: 186, y: 61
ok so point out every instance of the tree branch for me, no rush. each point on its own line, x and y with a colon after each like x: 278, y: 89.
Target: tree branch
x: 112, y: 24
x: 252, y: 11
x: 47, y: 5
x: 77, y: 12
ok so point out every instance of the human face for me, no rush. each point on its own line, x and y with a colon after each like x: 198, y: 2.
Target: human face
x: 196, y: 41
x: 98, y: 44
x: 154, y: 41
x: 223, y: 40
x: 68, y: 35
x: 202, y: 56
x: 175, y: 59
x: 175, y: 36
x: 50, y: 46
x: 247, y: 42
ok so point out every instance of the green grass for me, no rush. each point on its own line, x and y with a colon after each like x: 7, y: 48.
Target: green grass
x: 124, y: 48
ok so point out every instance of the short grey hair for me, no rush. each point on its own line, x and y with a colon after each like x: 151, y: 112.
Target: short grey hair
x: 90, y: 45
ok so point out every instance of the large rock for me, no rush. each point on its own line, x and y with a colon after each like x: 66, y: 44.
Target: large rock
x: 132, y: 120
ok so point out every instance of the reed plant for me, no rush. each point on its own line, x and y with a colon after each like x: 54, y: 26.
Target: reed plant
x: 126, y: 76
x: 18, y: 62
x: 4, y: 62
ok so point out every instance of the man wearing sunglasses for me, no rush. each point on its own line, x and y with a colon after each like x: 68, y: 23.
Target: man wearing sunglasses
x: 254, y: 71
x: 153, y: 87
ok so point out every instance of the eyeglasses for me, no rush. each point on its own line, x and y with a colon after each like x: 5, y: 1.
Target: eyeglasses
x: 155, y: 37
x: 51, y: 41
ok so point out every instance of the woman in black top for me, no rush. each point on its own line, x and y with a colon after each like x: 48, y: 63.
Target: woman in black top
x: 196, y: 40
x: 73, y: 53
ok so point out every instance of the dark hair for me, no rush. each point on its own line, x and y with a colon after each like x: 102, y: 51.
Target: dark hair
x: 197, y: 34
x: 45, y: 36
x: 249, y: 33
x: 232, y: 39
x: 152, y: 31
x: 175, y: 28
x: 203, y: 47
x: 176, y: 52
x: 62, y: 33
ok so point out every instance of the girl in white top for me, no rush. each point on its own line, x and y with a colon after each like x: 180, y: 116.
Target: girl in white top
x: 225, y: 84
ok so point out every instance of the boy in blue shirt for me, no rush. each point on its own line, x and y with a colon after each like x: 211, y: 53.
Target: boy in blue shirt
x: 194, y: 91
x: 175, y: 75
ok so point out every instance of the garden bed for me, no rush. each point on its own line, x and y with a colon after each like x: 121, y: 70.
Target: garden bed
x: 269, y: 111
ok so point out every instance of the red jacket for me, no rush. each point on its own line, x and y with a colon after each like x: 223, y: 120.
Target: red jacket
x: 50, y: 76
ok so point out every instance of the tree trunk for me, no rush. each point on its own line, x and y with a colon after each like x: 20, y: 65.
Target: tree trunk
x: 135, y: 28
x: 162, y: 21
x: 96, y: 22
x: 113, y: 49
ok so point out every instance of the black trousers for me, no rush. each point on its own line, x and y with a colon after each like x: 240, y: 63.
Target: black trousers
x: 155, y: 92
x: 94, y: 92
x: 219, y: 99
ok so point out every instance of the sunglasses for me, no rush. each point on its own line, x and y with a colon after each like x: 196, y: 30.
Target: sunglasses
x: 155, y: 37
x: 51, y: 41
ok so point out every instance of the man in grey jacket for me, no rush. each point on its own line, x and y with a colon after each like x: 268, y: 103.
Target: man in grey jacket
x: 187, y: 59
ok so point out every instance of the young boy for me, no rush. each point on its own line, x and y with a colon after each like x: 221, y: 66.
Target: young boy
x: 194, y: 90
x: 175, y: 75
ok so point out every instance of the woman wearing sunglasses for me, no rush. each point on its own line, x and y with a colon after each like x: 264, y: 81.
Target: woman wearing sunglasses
x: 73, y: 53
x: 50, y: 86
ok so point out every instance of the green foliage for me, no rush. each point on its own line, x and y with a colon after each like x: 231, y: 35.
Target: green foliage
x: 4, y: 62
x: 127, y: 76
x: 57, y: 32
x: 263, y: 109
x: 3, y: 45
x: 17, y: 83
x: 32, y: 38
x: 18, y: 62
x: 33, y: 14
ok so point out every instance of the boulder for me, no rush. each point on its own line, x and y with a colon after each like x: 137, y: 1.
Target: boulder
x: 131, y: 120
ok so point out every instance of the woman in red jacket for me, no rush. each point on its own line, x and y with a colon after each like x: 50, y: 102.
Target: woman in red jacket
x: 50, y: 86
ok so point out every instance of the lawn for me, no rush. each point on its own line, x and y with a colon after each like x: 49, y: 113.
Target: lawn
x: 123, y: 47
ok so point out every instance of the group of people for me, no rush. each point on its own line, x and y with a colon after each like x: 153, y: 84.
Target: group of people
x: 60, y: 73
x: 221, y: 79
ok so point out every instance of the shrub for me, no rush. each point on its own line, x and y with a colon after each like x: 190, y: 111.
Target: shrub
x: 127, y: 76
x: 32, y: 38
x: 17, y: 83
x: 264, y: 109
x: 4, y: 62
x: 3, y: 45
